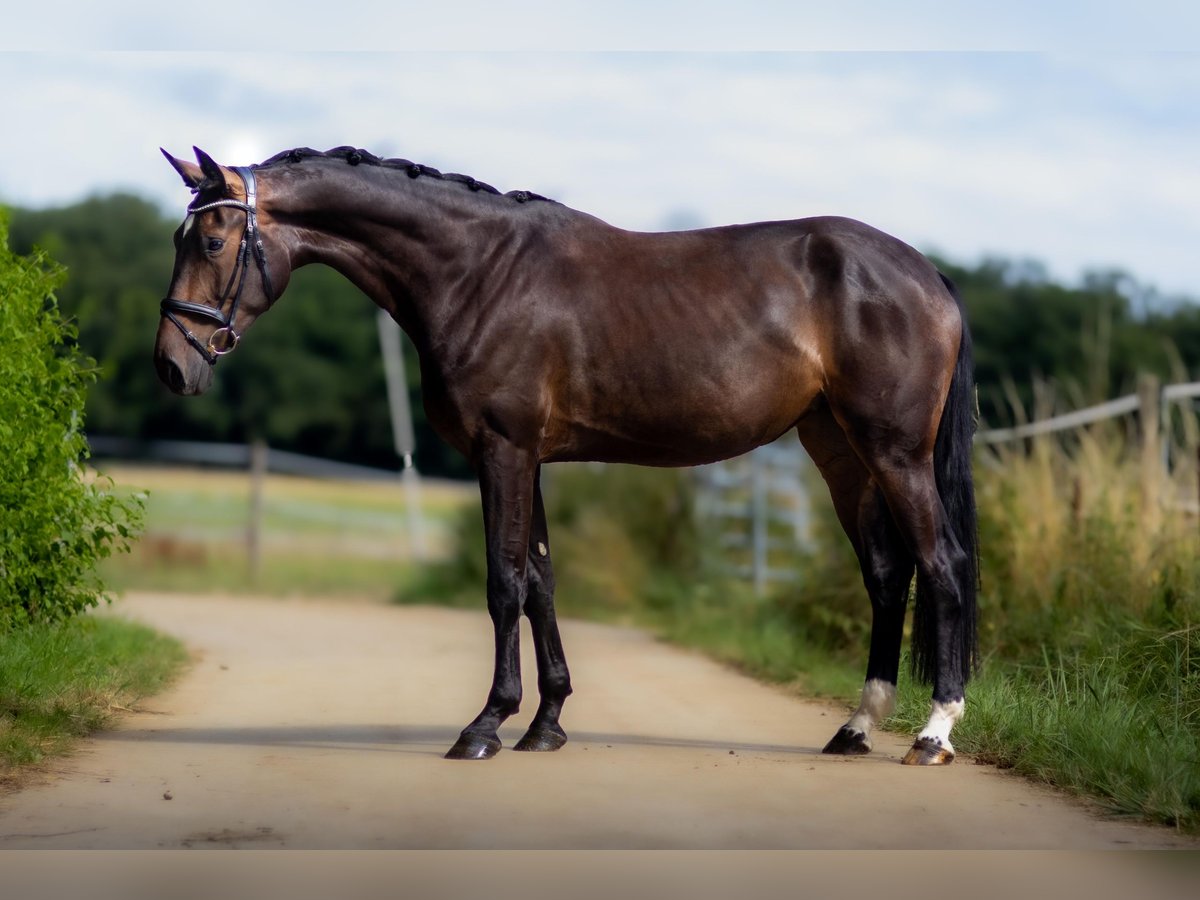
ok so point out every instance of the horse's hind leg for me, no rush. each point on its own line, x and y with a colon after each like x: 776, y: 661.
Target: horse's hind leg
x: 887, y: 571
x: 943, y: 572
x: 554, y: 680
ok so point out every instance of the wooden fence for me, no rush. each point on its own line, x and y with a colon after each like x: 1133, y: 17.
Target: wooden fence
x: 760, y: 502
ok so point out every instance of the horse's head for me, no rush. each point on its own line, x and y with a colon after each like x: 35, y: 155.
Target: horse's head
x: 226, y: 274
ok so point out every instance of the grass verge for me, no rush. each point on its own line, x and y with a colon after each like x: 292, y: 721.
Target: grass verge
x: 1112, y: 721
x: 60, y: 682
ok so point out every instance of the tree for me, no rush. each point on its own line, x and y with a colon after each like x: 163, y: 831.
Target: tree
x: 308, y: 377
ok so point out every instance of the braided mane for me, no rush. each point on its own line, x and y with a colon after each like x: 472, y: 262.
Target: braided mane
x: 354, y: 156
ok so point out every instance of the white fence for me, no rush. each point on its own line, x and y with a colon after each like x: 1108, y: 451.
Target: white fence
x: 233, y: 456
x: 257, y: 459
x: 1151, y: 397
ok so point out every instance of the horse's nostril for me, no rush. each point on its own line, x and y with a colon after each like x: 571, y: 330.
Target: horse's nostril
x: 171, y: 375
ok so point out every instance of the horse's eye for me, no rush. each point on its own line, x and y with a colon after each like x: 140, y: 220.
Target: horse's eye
x: 215, y: 245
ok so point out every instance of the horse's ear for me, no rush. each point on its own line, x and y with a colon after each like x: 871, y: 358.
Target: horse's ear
x: 188, y: 171
x: 214, y: 175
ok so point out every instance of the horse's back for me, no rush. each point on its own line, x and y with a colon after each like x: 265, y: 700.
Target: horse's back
x: 684, y: 347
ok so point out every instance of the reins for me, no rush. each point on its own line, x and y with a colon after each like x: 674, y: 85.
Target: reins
x: 251, y: 245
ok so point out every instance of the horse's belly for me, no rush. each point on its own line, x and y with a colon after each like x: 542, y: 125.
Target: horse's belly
x: 683, y: 424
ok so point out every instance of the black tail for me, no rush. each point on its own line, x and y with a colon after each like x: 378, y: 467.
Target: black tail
x: 952, y: 468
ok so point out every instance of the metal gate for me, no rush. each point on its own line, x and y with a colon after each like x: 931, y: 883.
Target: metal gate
x: 759, y: 504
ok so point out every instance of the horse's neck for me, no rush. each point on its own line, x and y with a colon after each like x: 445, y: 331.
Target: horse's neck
x: 399, y: 240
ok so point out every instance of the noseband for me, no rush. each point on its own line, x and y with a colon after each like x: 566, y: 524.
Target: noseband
x: 251, y: 244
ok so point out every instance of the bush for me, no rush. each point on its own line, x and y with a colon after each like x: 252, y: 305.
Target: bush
x: 55, y: 521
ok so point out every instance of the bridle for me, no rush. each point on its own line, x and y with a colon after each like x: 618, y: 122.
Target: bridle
x: 251, y: 244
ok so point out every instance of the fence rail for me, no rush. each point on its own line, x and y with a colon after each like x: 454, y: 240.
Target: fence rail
x: 1110, y: 409
x: 1113, y: 408
x: 257, y: 459
x: 234, y: 456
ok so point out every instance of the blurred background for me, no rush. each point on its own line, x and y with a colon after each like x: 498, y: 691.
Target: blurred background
x: 1057, y: 188
x: 1058, y: 191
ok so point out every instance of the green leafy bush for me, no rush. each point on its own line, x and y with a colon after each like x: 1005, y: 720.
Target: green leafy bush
x: 55, y: 520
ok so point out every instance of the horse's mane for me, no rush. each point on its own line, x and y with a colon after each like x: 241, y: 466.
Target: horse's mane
x: 355, y: 157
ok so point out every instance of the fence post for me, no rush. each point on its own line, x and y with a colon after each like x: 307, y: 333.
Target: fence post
x: 1149, y: 409
x: 758, y: 521
x: 402, y: 428
x: 258, y: 476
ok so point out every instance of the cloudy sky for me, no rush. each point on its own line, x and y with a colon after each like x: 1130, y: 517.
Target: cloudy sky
x: 1074, y: 143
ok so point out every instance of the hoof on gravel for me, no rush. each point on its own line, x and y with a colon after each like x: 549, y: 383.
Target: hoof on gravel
x: 474, y: 746
x: 542, y: 739
x: 928, y: 752
x: 848, y: 742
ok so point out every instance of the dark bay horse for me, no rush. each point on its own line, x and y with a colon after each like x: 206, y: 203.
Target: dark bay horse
x: 545, y: 334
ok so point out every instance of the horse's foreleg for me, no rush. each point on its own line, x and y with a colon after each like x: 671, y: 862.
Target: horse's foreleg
x: 554, y: 680
x: 506, y: 479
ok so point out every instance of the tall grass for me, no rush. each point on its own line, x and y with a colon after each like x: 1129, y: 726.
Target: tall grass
x: 1091, y: 587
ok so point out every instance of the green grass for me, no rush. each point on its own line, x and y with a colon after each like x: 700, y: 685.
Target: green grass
x: 1118, y: 721
x: 59, y: 682
x: 161, y: 564
x: 317, y: 537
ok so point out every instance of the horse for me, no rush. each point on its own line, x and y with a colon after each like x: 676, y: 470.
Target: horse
x: 545, y: 334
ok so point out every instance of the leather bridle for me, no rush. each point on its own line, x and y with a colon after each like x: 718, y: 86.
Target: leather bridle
x: 251, y: 245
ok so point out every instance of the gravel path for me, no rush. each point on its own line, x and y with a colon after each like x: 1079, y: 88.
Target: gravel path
x: 321, y: 724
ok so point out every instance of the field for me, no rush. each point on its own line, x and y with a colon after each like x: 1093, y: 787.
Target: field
x: 316, y: 537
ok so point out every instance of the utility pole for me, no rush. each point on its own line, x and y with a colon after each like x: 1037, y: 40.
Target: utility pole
x: 402, y: 427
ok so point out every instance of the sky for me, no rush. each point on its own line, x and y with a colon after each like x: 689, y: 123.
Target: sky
x: 1066, y: 135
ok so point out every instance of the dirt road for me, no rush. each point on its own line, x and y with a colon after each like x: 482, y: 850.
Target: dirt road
x: 309, y: 724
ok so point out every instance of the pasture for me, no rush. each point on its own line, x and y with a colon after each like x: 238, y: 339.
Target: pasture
x: 316, y: 537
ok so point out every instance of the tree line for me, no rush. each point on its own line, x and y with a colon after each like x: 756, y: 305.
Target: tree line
x: 310, y: 377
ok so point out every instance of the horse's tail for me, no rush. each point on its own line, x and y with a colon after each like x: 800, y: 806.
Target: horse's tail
x: 952, y: 471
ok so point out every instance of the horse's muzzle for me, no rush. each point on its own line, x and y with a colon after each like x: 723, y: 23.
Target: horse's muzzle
x: 184, y: 378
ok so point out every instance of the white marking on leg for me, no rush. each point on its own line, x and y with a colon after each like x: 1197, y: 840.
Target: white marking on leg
x: 878, y: 702
x: 941, y: 720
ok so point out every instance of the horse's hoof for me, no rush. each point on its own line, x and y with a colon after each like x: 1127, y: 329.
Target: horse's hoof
x: 542, y: 738
x: 928, y: 752
x: 848, y: 742
x: 474, y: 746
